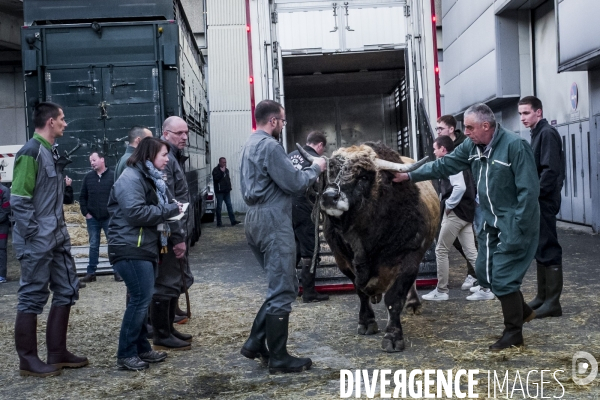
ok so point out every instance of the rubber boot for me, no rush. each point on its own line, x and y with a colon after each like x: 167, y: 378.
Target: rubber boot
x: 172, y: 310
x: 277, y: 336
x: 255, y: 345
x: 541, y: 288
x: 56, y: 340
x: 528, y: 313
x: 554, y: 285
x: 512, y: 309
x: 309, y: 294
x: 161, y: 325
x: 26, y: 343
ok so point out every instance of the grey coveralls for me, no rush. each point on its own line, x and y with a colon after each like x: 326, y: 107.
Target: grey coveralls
x: 40, y: 238
x: 268, y: 182
x: 169, y: 280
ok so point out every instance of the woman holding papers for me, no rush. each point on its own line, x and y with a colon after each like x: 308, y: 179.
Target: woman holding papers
x: 139, y: 206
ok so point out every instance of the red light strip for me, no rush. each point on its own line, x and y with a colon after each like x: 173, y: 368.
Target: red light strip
x: 435, y: 61
x: 250, y: 68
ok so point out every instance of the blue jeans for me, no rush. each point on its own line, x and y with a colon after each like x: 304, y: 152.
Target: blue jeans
x: 227, y: 198
x: 139, y: 279
x: 93, y: 227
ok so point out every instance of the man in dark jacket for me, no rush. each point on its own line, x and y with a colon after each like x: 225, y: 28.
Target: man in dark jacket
x: 174, y: 275
x: 43, y: 247
x: 304, y: 228
x: 550, y: 163
x: 136, y: 134
x: 222, y: 182
x: 93, y: 201
x: 4, y: 226
x: 446, y: 126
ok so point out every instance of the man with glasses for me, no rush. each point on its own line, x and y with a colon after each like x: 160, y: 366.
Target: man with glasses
x: 174, y: 274
x: 268, y: 182
x: 508, y: 186
x: 446, y: 126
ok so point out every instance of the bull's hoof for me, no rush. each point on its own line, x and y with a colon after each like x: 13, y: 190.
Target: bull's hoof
x: 390, y: 344
x: 376, y: 299
x: 415, y: 307
x: 371, y: 329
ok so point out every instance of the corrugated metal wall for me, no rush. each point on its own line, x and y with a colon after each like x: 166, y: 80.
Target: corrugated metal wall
x: 229, y: 88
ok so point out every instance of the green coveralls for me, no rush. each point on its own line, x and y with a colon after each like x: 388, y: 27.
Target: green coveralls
x: 508, y: 188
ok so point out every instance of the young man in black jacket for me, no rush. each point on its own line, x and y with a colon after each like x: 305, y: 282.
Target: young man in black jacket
x: 550, y: 162
x: 222, y: 182
x: 93, y: 201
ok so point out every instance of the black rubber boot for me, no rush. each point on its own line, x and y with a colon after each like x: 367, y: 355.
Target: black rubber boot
x: 554, y: 285
x: 512, y: 309
x: 277, y: 336
x: 255, y: 345
x: 161, y: 325
x: 88, y: 278
x: 26, y: 343
x: 172, y: 311
x: 541, y: 288
x: 528, y: 312
x: 56, y: 340
x: 309, y: 294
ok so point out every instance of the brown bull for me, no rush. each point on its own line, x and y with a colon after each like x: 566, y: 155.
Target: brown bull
x: 378, y: 231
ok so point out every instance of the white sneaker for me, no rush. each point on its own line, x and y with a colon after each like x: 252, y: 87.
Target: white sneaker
x: 468, y: 283
x: 482, y: 294
x: 475, y: 289
x: 434, y: 295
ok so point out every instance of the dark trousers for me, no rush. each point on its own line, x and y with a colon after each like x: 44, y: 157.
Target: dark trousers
x: 139, y: 279
x: 227, y: 198
x: 549, y: 251
x: 304, y: 229
x: 94, y: 227
x: 3, y: 245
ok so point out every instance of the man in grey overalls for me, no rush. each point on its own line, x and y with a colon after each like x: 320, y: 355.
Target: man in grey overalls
x: 43, y: 247
x: 268, y: 182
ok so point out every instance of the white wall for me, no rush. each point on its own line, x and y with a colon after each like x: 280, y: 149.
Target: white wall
x: 12, y: 108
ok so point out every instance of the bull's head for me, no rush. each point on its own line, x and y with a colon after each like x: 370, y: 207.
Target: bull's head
x: 351, y: 177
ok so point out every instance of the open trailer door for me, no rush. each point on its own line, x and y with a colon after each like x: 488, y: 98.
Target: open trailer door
x: 348, y: 69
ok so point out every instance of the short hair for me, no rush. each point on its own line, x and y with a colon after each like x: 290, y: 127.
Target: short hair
x: 316, y: 137
x: 148, y: 149
x: 447, y: 120
x: 42, y: 112
x: 534, y: 102
x: 444, y: 141
x: 482, y: 114
x: 137, y: 131
x: 265, y: 110
x: 100, y: 154
x: 222, y: 158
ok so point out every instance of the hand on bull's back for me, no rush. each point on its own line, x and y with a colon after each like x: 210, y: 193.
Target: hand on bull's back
x: 400, y: 177
x: 320, y: 161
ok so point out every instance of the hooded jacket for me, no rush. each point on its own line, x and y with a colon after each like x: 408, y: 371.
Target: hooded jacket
x: 506, y: 182
x: 135, y: 213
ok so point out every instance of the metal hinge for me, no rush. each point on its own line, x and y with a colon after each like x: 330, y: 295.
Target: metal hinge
x: 274, y: 17
x: 407, y: 10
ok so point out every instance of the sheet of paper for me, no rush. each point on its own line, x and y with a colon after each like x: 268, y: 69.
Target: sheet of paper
x: 184, y: 207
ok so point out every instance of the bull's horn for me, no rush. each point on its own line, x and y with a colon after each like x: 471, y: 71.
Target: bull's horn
x: 392, y: 166
x: 306, y: 156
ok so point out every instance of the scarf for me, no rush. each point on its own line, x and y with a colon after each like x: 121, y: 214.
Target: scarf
x: 161, y: 191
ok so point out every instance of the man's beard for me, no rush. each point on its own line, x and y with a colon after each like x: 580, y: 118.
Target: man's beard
x: 276, y: 134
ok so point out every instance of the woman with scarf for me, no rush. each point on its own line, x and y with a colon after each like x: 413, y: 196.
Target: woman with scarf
x: 139, y: 207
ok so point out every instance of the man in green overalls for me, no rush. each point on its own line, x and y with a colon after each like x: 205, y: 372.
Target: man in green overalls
x: 504, y: 169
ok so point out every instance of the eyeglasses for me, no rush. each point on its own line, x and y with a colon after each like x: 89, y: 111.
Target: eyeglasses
x: 439, y: 129
x: 283, y: 120
x: 177, y: 133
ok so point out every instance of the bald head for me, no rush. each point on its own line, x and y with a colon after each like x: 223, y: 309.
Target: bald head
x: 175, y: 131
